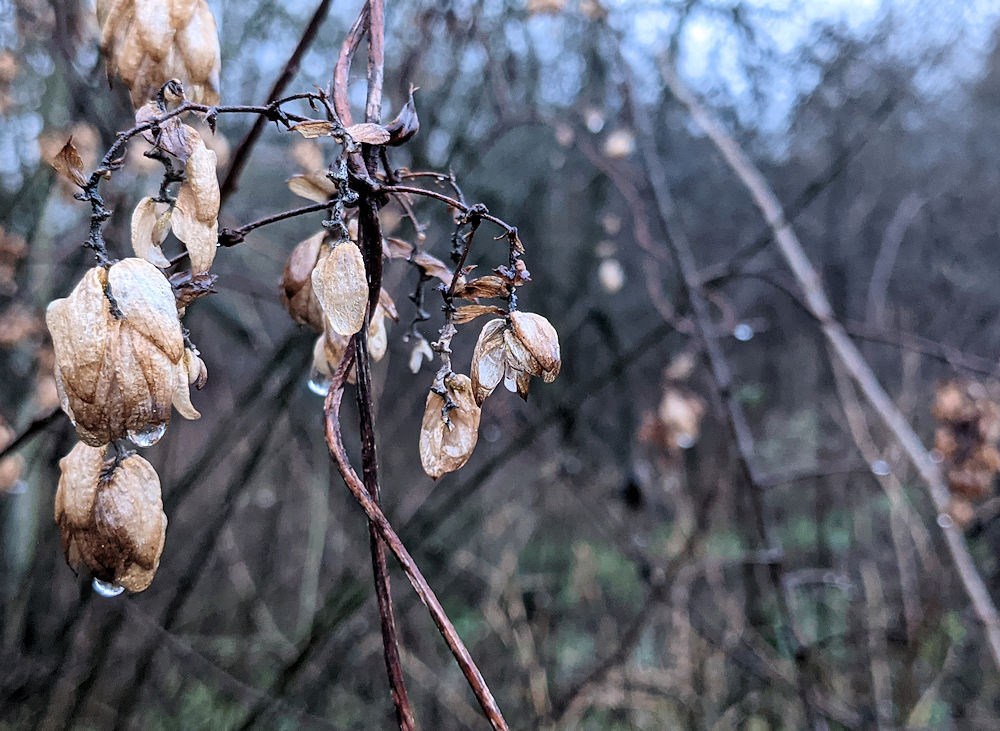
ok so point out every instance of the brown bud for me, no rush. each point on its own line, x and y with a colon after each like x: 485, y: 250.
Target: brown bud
x: 110, y: 517
x: 296, y: 283
x: 119, y: 354
x: 448, y: 437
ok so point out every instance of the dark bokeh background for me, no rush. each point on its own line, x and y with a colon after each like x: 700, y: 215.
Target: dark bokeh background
x: 600, y: 579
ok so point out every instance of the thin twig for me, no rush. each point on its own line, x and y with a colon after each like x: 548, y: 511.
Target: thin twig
x: 811, y: 284
x: 406, y: 562
x: 241, y: 154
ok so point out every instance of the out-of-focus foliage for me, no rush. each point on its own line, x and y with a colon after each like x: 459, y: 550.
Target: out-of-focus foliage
x: 603, y: 526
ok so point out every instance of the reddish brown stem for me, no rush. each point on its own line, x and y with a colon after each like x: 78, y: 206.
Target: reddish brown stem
x: 342, y: 71
x: 406, y: 562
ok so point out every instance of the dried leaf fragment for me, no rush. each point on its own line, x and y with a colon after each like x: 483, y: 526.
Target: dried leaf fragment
x: 69, y: 164
x: 447, y: 442
x: 313, y: 186
x: 467, y: 313
x: 368, y: 133
x: 314, y: 128
x: 341, y: 286
x: 406, y: 124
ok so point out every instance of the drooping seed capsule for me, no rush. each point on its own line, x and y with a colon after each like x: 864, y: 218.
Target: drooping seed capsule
x: 119, y: 353
x: 447, y: 439
x: 341, y: 287
x: 110, y: 517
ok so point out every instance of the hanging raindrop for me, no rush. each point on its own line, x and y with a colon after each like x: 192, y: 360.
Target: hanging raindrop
x: 319, y: 384
x: 685, y: 440
x: 743, y: 332
x: 881, y: 467
x: 107, y: 590
x: 147, y: 436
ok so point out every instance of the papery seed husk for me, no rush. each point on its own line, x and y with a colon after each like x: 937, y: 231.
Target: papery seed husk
x: 421, y: 351
x: 540, y: 338
x: 146, y: 232
x: 312, y: 186
x: 146, y: 301
x: 388, y: 306
x: 200, y: 238
x: 445, y: 448
x: 81, y: 327
x: 111, y: 523
x: 378, y: 336
x: 297, y: 292
x: 488, y: 359
x: 341, y: 287
x: 518, y: 356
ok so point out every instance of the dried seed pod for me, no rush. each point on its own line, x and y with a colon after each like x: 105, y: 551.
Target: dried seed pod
x: 297, y: 292
x: 489, y: 359
x: 119, y: 354
x: 148, y: 42
x: 447, y: 442
x: 328, y: 352
x: 150, y: 224
x: 314, y: 186
x: 969, y: 426
x: 195, y: 219
x: 111, y: 518
x: 421, y: 351
x: 539, y: 338
x: 341, y: 287
x: 378, y: 335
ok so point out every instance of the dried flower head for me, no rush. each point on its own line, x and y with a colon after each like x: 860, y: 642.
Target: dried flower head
x: 119, y: 354
x: 110, y: 516
x: 513, y: 351
x: 148, y: 42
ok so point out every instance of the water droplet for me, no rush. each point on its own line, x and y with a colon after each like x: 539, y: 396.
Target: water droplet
x: 936, y: 456
x: 944, y: 520
x: 881, y: 467
x: 319, y: 384
x: 686, y: 441
x: 743, y: 332
x: 107, y: 590
x: 147, y: 436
